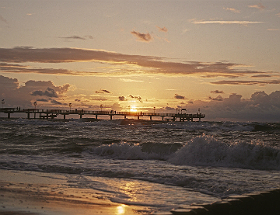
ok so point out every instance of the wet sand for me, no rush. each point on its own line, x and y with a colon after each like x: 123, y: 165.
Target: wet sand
x: 50, y: 194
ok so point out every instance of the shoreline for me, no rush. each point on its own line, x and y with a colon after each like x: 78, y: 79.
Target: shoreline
x: 30, y: 193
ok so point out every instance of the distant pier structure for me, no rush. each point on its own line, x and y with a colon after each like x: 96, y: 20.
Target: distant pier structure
x: 53, y: 113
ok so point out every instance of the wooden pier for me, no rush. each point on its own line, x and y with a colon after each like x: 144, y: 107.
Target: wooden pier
x: 53, y: 113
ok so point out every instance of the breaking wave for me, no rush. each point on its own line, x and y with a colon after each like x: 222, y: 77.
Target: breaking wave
x: 200, y: 151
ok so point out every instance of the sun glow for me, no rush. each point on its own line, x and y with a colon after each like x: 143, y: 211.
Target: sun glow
x: 120, y: 209
x: 133, y: 109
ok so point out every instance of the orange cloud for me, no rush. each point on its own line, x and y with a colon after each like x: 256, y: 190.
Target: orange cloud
x: 232, y: 10
x: 149, y: 64
x: 257, y: 6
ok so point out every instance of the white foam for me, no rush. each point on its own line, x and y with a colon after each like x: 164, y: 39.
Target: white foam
x: 208, y: 151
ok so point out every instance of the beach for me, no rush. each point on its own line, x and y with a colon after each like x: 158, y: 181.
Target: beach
x: 42, y: 193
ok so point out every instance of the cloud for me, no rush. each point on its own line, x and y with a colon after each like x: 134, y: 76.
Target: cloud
x: 102, y: 91
x: 164, y: 29
x: 232, y: 10
x: 130, y: 80
x: 246, y: 82
x: 122, y: 98
x: 42, y: 100
x: 218, y: 98
x: 278, y: 14
x: 142, y: 37
x: 8, y: 84
x: 75, y: 37
x: 257, y: 6
x: 217, y: 91
x: 136, y: 97
x: 24, y: 95
x: 55, y: 102
x: 49, y: 92
x: 11, y: 59
x: 259, y: 107
x: 179, y: 96
x: 226, y: 22
x: 261, y: 76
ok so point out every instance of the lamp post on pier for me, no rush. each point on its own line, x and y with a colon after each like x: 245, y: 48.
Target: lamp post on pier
x: 35, y: 104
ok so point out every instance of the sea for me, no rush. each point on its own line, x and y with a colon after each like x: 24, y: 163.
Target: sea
x: 157, y: 165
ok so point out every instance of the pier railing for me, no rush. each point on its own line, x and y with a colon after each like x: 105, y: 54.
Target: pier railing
x: 52, y: 113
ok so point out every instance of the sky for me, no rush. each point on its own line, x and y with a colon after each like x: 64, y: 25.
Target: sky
x: 221, y: 57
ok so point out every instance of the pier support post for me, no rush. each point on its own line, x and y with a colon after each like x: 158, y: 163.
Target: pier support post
x: 9, y: 115
x: 151, y: 118
x: 28, y: 115
x: 96, y: 116
x: 81, y: 116
x: 64, y: 116
x: 111, y: 117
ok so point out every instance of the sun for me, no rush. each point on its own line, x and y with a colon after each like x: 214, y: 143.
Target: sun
x: 133, y: 109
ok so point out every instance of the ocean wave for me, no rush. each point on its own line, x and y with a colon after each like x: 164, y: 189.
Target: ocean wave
x: 206, y: 150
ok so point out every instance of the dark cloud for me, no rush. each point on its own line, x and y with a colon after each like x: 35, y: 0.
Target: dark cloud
x: 42, y: 100
x: 260, y: 98
x: 179, y: 96
x: 217, y: 91
x: 8, y: 83
x: 155, y: 65
x: 49, y: 92
x: 218, y: 98
x: 56, y: 102
x: 261, y: 76
x: 75, y: 37
x: 24, y: 95
x: 102, y: 91
x: 142, y: 37
x: 246, y: 82
x: 122, y: 98
x: 136, y: 97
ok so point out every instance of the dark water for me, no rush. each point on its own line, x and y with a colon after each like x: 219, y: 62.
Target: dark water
x: 190, y: 161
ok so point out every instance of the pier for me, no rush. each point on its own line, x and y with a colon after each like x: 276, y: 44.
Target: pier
x: 53, y: 113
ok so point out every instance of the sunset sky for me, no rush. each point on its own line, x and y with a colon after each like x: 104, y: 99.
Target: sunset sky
x: 220, y: 56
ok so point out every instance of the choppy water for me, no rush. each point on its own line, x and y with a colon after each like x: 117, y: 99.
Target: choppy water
x: 160, y: 165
